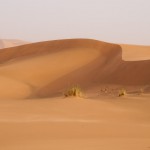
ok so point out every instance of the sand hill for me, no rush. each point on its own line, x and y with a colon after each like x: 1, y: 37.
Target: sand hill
x: 5, y: 43
x: 46, y: 68
x: 34, y: 114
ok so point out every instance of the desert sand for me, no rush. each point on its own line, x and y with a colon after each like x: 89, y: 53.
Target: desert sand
x: 5, y: 43
x: 35, y: 115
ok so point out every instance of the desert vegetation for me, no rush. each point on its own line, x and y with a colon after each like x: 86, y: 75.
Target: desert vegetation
x: 122, y: 92
x: 141, y: 91
x: 74, y: 91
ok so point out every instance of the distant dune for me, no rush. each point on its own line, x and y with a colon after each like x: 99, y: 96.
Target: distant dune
x: 135, y: 52
x: 5, y: 43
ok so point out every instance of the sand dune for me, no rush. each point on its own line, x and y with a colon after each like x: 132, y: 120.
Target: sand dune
x: 47, y: 68
x: 34, y: 114
x: 5, y: 43
x: 135, y: 52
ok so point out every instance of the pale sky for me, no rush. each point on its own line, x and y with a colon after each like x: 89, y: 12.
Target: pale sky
x: 118, y: 21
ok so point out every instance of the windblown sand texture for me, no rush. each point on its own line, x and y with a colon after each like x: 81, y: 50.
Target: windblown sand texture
x: 34, y: 114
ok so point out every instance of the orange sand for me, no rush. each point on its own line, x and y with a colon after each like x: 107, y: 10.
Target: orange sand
x: 34, y: 115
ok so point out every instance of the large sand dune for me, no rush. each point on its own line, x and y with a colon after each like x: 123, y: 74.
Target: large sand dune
x: 47, y: 68
x: 34, y: 115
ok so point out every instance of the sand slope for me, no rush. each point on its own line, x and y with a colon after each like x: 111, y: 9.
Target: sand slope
x: 47, y: 68
x: 34, y: 115
x: 5, y: 43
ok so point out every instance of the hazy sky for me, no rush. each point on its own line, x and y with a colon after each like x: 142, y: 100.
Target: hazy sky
x: 120, y: 21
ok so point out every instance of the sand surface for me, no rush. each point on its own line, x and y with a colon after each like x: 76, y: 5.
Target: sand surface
x: 135, y: 52
x: 34, y: 114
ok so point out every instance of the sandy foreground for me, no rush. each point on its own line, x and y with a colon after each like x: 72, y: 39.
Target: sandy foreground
x: 75, y: 123
x: 34, y: 114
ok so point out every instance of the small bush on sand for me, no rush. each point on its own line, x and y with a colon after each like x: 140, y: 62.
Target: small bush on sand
x: 74, y: 91
x: 122, y: 93
x: 141, y: 91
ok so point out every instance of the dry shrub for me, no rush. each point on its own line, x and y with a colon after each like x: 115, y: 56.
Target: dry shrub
x: 74, y: 91
x: 122, y: 92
